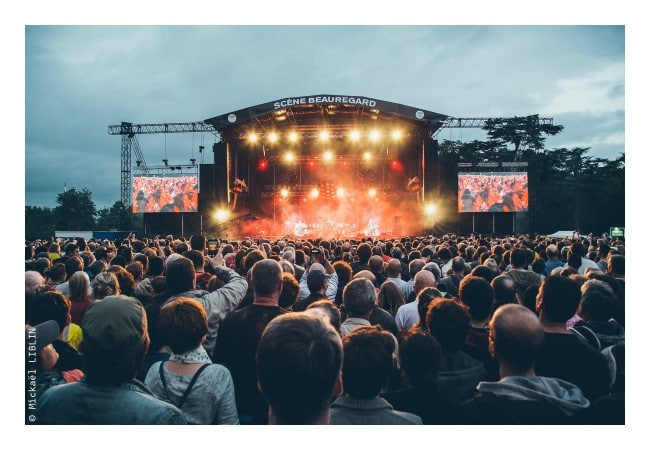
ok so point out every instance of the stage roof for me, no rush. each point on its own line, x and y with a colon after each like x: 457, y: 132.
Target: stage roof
x: 312, y: 113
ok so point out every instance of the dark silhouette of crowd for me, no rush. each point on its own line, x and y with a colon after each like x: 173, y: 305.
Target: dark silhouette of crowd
x: 414, y: 330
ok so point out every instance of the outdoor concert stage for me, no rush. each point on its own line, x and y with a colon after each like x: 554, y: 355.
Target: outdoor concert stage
x: 330, y: 166
x: 314, y: 166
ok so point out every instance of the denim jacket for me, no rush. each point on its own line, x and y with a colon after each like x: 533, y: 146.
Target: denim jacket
x: 81, y: 403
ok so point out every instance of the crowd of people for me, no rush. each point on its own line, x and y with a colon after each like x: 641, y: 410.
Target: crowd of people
x: 419, y: 330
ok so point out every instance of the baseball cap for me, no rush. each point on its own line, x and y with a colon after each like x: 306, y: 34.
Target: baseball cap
x: 116, y: 322
x: 42, y: 334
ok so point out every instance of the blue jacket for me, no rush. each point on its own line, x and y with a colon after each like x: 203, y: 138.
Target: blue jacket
x: 81, y: 403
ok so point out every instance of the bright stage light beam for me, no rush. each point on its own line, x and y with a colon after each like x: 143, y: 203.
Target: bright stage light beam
x: 293, y: 136
x: 355, y: 135
x: 374, y: 135
x: 328, y: 156
x: 284, y: 192
x: 324, y: 135
x: 397, y: 135
x: 289, y: 157
x: 340, y: 192
x: 273, y: 137
x: 372, y: 192
x: 252, y: 137
x: 430, y: 209
x: 314, y: 193
x: 367, y: 156
x: 221, y: 215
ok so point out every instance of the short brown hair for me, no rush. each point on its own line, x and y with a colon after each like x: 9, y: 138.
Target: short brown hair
x: 182, y: 324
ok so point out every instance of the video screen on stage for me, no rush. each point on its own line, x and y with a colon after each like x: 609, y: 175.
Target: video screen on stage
x: 493, y: 192
x: 166, y: 194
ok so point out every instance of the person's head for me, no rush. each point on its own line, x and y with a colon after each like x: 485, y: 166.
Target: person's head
x: 73, y: 264
x: 425, y: 296
x: 376, y: 264
x: 79, y: 287
x: 458, y: 265
x: 316, y: 281
x: 115, y: 340
x: 56, y: 273
x: 182, y: 324
x: 364, y: 252
x: 343, y: 271
x: 197, y: 259
x: 359, y: 297
x: 251, y: 258
x: 415, y: 266
x: 484, y: 272
x: 156, y: 266
x: 518, y: 258
x: 50, y: 305
x: 420, y: 357
x: 198, y: 242
x: 290, y: 291
x: 367, y: 361
x: 477, y: 294
x: 180, y: 275
x: 598, y: 301
x: 298, y: 360
x: 505, y: 290
x: 330, y: 309
x: 394, y: 268
x: 136, y: 270
x: 390, y: 297
x: 616, y: 265
x: 105, y: 284
x: 449, y: 322
x: 96, y: 268
x: 33, y: 282
x: 423, y: 279
x: 516, y: 337
x: 558, y: 299
x: 552, y: 252
x: 125, y: 280
x: 434, y: 269
x: 267, y: 278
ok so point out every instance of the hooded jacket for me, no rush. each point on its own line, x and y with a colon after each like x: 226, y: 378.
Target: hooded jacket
x: 520, y: 400
x: 523, y: 279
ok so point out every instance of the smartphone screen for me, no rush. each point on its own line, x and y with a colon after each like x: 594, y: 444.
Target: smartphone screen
x: 213, y: 246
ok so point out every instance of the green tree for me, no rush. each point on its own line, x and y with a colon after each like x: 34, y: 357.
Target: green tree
x: 111, y: 218
x: 75, y: 211
x: 525, y: 133
x: 39, y: 222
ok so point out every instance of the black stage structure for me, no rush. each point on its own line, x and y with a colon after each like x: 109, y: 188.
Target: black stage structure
x: 317, y: 165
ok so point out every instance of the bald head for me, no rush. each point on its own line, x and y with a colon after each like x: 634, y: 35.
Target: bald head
x: 423, y: 279
x: 517, y: 336
x: 376, y: 264
x: 317, y: 266
x: 394, y: 268
x: 368, y: 275
x: 505, y: 290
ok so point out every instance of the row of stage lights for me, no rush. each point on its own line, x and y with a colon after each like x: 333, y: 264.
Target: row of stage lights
x: 314, y: 193
x: 327, y: 157
x: 324, y: 135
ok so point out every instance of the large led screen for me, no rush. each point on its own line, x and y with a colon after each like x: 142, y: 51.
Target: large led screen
x: 493, y: 192
x: 165, y: 194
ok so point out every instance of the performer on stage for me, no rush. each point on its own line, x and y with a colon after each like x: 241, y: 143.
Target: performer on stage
x: 373, y: 228
x: 300, y: 228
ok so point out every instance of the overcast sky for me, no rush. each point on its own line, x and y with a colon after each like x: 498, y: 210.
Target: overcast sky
x: 81, y: 79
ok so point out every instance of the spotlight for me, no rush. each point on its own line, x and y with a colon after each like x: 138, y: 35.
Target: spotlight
x: 340, y: 192
x: 252, y: 137
x: 367, y: 156
x: 166, y: 161
x: 289, y: 157
x: 396, y: 134
x: 284, y: 192
x: 314, y: 193
x: 221, y: 215
x: 262, y: 165
x: 293, y: 136
x: 328, y: 156
x: 139, y: 163
x: 273, y: 137
x: 324, y: 135
x: 193, y: 161
x: 430, y: 209
x: 372, y: 192
x: 374, y: 135
x: 355, y: 135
